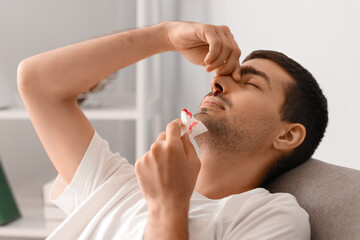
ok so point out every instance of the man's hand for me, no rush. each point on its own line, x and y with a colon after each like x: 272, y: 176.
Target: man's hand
x: 167, y: 176
x: 208, y: 45
x: 167, y: 173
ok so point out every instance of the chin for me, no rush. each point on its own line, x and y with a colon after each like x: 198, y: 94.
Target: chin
x: 203, y: 117
x: 203, y: 113
x: 199, y: 115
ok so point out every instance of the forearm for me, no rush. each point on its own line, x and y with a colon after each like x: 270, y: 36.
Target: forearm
x: 67, y: 72
x: 167, y: 223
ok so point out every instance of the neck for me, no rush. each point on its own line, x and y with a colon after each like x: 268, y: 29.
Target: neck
x: 222, y: 175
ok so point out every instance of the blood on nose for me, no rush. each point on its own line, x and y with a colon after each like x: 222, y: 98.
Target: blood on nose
x: 216, y: 93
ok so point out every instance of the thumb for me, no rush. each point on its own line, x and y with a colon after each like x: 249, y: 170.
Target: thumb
x: 189, y: 149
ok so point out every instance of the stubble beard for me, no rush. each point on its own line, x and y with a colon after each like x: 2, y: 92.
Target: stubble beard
x: 233, y: 136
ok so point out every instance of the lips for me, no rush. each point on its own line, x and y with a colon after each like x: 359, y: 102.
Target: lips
x: 212, y: 101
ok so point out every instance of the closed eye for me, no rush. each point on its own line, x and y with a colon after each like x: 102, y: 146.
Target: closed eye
x: 252, y: 84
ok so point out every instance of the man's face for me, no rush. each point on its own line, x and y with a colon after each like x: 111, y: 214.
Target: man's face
x: 245, y: 117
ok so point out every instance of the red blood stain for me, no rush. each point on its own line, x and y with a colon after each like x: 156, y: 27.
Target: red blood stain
x: 216, y: 93
x: 192, y: 126
x: 187, y: 112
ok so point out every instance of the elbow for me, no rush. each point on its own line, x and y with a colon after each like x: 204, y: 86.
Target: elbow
x: 25, y: 76
x: 28, y: 79
x: 36, y: 81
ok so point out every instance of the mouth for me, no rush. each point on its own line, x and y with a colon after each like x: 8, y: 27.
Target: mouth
x: 212, y: 102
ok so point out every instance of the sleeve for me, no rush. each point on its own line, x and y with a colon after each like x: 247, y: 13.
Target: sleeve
x: 281, y: 219
x: 96, y: 167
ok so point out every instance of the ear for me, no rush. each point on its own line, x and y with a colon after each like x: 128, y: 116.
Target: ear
x: 290, y: 137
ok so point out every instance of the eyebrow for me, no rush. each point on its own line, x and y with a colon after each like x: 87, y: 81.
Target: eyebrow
x: 251, y: 70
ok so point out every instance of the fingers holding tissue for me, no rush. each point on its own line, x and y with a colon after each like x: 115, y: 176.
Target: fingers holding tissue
x: 168, y: 172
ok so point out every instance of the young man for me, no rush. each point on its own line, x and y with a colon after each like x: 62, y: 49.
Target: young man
x: 171, y: 193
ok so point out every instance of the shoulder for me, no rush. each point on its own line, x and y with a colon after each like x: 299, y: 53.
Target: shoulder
x: 262, y: 213
x: 261, y: 197
x: 260, y: 202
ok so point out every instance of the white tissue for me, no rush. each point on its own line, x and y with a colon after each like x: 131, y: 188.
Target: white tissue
x: 190, y: 125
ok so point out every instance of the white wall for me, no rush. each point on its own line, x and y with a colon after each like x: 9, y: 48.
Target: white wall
x: 322, y: 35
x: 31, y: 27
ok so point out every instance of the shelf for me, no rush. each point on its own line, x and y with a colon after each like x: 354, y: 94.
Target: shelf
x: 13, y: 113
x: 126, y: 110
x: 92, y: 114
x: 31, y: 224
x: 111, y: 114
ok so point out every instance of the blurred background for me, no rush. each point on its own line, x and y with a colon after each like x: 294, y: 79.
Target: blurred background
x: 322, y: 35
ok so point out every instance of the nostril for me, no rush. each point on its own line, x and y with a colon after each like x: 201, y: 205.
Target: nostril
x: 218, y: 87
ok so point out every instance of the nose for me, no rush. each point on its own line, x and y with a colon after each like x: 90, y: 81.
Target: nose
x: 220, y: 84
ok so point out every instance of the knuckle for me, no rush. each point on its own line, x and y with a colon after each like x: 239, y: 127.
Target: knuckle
x: 146, y: 157
x: 238, y: 52
x: 207, y: 27
x: 231, y: 35
x: 204, y: 28
x: 155, y: 147
x: 139, y: 164
x: 150, y: 158
x: 225, y: 28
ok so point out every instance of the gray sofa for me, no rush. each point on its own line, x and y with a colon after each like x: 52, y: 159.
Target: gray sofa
x: 329, y: 193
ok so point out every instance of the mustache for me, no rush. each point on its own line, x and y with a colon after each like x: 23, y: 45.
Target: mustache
x: 219, y: 95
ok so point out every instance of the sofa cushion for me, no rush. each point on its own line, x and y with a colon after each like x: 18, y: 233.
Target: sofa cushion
x: 329, y: 193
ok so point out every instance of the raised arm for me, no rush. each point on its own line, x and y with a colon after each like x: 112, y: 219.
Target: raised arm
x: 50, y: 82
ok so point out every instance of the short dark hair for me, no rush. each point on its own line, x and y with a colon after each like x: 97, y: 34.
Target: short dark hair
x: 304, y: 103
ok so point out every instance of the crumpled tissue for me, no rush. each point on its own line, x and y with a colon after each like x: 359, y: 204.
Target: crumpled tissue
x: 191, y: 125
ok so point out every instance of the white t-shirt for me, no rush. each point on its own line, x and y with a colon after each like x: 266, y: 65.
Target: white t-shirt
x: 104, y: 201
